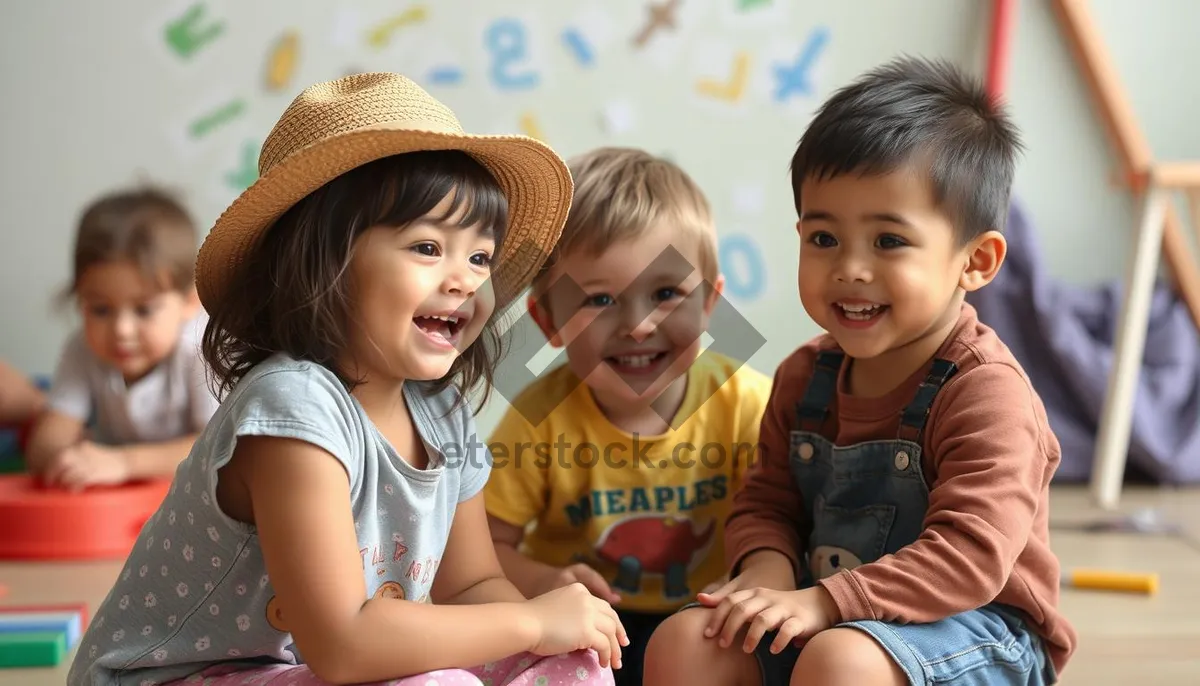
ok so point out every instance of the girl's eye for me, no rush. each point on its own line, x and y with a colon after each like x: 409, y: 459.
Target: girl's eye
x: 481, y: 259
x: 888, y: 242
x: 426, y: 249
x: 822, y: 239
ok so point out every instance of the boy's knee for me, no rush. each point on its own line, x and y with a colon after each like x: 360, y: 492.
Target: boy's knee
x: 680, y: 630
x: 679, y: 653
x: 845, y: 656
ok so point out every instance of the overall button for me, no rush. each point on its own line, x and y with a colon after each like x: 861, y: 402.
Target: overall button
x: 806, y: 451
x: 901, y: 460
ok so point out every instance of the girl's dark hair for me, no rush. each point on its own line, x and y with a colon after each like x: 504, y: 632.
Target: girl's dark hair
x: 922, y: 112
x: 291, y: 294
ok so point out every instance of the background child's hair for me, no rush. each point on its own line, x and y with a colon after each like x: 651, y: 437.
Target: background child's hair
x: 292, y: 296
x: 924, y: 113
x: 621, y: 193
x: 147, y: 227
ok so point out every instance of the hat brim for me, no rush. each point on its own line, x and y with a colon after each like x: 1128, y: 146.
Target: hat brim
x: 535, y: 180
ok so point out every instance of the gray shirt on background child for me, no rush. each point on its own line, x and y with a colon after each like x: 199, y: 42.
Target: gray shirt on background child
x: 173, y: 400
x: 195, y: 590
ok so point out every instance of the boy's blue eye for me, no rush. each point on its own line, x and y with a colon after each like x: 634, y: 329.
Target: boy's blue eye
x: 667, y: 293
x: 822, y: 239
x: 599, y: 300
x: 888, y: 242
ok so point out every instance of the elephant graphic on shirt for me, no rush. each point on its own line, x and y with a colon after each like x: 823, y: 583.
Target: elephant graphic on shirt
x: 654, y: 544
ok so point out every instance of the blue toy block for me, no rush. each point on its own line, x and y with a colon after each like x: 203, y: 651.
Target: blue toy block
x: 69, y: 623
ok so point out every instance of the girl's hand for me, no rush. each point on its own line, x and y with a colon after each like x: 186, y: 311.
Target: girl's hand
x: 571, y: 618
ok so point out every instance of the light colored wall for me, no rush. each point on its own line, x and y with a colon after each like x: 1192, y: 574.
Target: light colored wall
x: 94, y: 99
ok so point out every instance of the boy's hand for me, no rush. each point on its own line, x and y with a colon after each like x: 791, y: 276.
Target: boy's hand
x: 762, y: 569
x: 87, y: 464
x: 795, y: 614
x: 581, y: 573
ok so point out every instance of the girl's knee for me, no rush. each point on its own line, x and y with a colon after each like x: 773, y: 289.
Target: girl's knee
x: 845, y: 656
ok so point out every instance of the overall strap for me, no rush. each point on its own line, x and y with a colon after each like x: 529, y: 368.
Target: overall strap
x: 913, y: 418
x: 812, y: 410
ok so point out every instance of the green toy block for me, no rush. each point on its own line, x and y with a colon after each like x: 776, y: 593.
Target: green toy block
x: 33, y: 649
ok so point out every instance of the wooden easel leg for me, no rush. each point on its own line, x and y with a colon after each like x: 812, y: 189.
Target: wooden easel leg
x: 1116, y: 419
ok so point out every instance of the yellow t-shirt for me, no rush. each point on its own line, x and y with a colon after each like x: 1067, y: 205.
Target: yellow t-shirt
x: 649, y: 517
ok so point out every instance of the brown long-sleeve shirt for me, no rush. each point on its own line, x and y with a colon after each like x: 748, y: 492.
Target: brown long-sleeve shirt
x: 988, y: 456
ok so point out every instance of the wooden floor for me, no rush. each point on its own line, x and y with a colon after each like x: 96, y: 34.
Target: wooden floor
x: 1124, y: 639
x: 1133, y: 639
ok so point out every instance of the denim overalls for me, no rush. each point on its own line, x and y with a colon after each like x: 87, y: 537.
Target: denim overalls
x: 867, y: 500
x: 864, y: 500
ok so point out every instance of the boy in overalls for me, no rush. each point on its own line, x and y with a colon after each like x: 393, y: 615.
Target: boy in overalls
x: 895, y: 529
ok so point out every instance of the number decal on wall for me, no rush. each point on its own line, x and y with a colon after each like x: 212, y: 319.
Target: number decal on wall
x: 742, y: 263
x: 505, y: 40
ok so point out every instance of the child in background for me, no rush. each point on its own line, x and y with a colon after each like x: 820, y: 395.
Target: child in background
x: 327, y: 527
x: 134, y: 367
x: 625, y: 458
x: 896, y: 526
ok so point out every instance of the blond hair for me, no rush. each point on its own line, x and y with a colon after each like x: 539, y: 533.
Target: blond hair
x: 619, y: 194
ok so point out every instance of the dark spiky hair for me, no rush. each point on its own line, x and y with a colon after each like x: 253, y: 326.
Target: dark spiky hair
x: 926, y: 114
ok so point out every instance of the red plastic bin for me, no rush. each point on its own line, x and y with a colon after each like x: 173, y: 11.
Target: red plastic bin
x: 47, y: 524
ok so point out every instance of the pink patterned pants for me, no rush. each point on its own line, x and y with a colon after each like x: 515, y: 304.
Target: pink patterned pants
x: 523, y: 669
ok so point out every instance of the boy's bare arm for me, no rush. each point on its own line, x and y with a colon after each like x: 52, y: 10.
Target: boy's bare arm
x: 533, y: 578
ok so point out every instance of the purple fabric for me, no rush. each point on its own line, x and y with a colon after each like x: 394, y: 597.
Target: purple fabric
x: 1063, y: 336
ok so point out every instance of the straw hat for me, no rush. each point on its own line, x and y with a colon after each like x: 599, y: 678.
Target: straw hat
x: 332, y: 127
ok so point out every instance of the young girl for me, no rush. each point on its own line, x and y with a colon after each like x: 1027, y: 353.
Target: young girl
x: 328, y: 526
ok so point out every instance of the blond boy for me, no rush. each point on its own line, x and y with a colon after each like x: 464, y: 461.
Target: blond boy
x: 617, y: 468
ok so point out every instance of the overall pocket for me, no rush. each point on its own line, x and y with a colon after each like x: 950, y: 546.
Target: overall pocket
x: 844, y: 538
